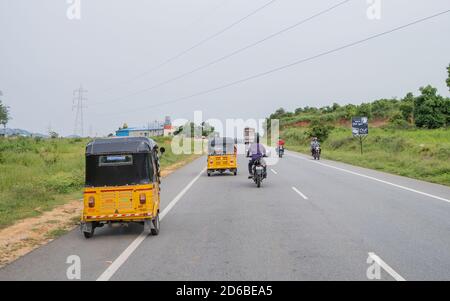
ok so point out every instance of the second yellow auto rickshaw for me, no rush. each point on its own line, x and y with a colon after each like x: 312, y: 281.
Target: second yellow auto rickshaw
x: 122, y: 184
x: 222, y: 155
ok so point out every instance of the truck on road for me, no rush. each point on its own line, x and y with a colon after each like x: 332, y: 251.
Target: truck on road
x: 249, y: 135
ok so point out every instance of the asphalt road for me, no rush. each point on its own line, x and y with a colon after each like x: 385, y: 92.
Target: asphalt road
x: 309, y: 221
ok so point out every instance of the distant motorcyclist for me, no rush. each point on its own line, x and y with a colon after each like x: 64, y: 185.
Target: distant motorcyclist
x: 280, y: 147
x: 314, y: 143
x: 256, y: 151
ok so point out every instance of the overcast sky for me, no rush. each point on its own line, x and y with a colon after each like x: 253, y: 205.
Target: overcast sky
x: 44, y: 56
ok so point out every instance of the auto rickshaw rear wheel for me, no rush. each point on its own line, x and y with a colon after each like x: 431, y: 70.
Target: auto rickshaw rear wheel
x: 155, y: 229
x: 235, y: 172
x: 89, y: 234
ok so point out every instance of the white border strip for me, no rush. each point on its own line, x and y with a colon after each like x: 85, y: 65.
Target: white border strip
x: 374, y: 179
x: 112, y: 269
x: 273, y: 171
x: 300, y: 193
x: 386, y: 267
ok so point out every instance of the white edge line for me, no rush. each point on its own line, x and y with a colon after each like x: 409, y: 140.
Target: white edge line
x: 375, y: 179
x: 300, y: 193
x: 386, y: 267
x: 119, y: 261
x: 274, y: 171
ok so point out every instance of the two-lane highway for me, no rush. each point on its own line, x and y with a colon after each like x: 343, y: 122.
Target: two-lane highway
x: 309, y: 221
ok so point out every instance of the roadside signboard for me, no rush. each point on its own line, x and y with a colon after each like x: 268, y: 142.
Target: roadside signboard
x: 360, y: 129
x: 360, y: 126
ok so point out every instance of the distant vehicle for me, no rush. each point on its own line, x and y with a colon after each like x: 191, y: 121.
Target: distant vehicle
x: 222, y: 155
x: 249, y: 135
x: 122, y: 183
x: 316, y: 153
x: 280, y: 151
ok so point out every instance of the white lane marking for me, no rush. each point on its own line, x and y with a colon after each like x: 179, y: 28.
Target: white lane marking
x: 112, y: 269
x: 300, y: 193
x: 180, y: 195
x: 386, y: 267
x: 274, y: 171
x: 374, y: 179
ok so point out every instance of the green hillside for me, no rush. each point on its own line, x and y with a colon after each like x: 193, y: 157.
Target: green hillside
x: 408, y: 137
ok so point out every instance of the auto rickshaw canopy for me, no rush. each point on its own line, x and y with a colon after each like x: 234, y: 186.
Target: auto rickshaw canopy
x: 120, y: 161
x: 130, y: 145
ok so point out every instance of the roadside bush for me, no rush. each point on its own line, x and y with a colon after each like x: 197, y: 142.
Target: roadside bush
x: 294, y: 135
x: 397, y: 121
x: 49, y: 155
x: 17, y: 145
x: 64, y: 182
x: 443, y: 153
x: 319, y: 130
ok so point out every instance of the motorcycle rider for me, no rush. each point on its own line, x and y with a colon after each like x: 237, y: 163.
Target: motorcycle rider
x: 280, y: 145
x: 314, y: 143
x: 256, y: 151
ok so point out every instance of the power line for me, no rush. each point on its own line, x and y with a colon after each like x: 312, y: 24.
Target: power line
x: 298, y: 62
x: 78, y: 105
x: 213, y: 62
x: 198, y: 44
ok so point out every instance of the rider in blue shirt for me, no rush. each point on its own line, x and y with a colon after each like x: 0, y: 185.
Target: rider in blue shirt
x: 256, y: 151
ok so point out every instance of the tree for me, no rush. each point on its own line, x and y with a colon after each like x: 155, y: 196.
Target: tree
x: 278, y: 114
x: 446, y: 111
x: 397, y: 120
x: 382, y: 108
x: 298, y: 111
x: 4, y: 113
x: 53, y: 134
x: 350, y: 111
x: 364, y: 110
x: 407, y: 108
x: 326, y: 109
x: 448, y: 78
x: 429, y: 109
x: 319, y: 130
x: 335, y: 106
x: 310, y: 109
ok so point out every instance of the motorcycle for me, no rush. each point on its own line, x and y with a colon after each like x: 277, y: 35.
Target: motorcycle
x: 259, y: 172
x: 280, y: 151
x: 316, y: 153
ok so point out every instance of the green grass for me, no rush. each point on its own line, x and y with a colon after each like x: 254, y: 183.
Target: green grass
x: 56, y: 233
x: 168, y: 158
x: 36, y: 174
x: 417, y: 153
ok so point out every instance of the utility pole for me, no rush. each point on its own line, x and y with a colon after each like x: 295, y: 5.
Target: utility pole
x: 78, y: 105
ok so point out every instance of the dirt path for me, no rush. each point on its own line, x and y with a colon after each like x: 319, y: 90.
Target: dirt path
x: 31, y: 233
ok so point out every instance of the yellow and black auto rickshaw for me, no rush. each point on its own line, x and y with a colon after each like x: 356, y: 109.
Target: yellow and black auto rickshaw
x: 222, y: 155
x: 122, y: 183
